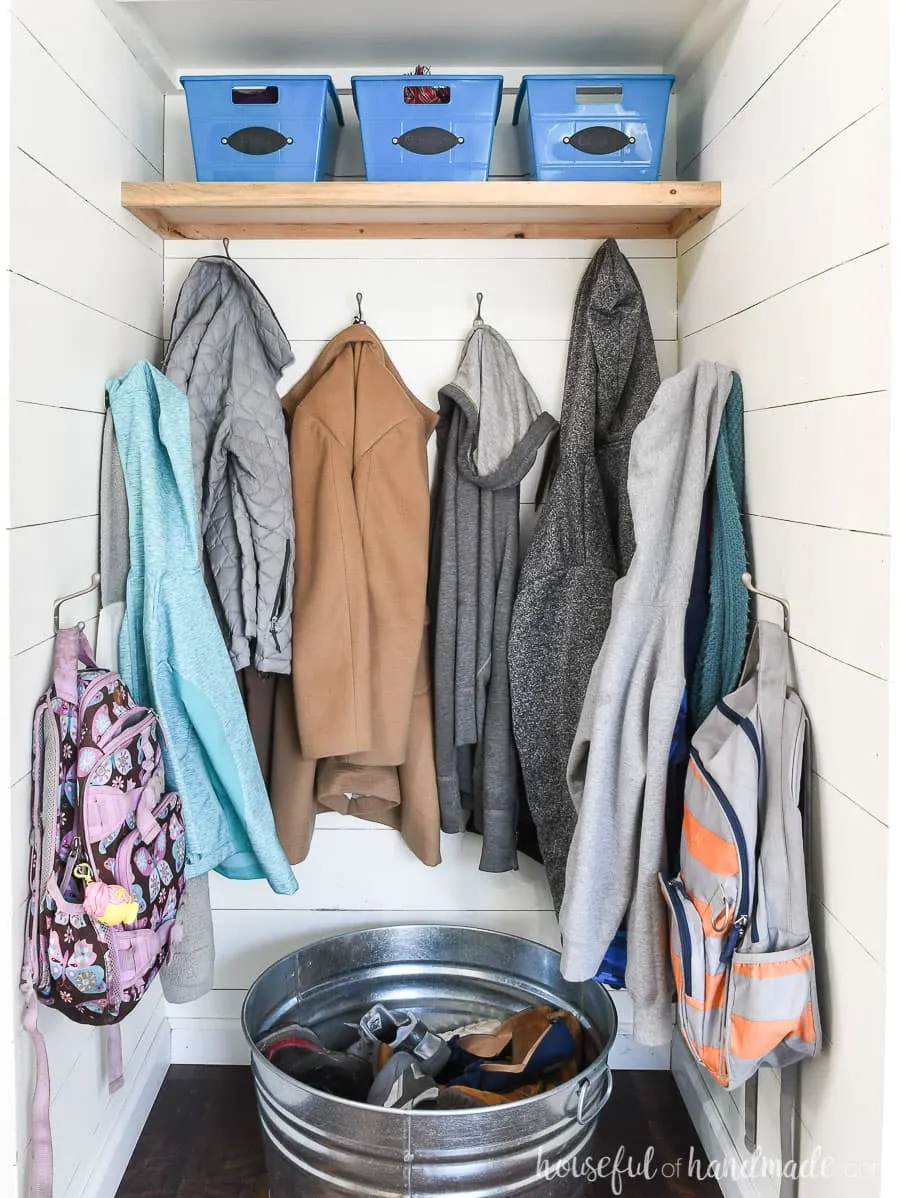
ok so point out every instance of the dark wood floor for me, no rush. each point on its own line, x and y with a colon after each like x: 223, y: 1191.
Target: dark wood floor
x: 202, y: 1138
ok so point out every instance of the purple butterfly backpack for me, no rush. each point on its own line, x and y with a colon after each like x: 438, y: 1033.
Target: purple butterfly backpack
x: 107, y: 862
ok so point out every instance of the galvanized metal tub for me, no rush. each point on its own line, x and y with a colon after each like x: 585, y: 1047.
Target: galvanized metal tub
x: 318, y: 1146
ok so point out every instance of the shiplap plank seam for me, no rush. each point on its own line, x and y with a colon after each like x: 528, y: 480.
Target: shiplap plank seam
x: 775, y: 407
x: 818, y: 274
x: 149, y: 245
x: 859, y: 532
x: 62, y: 519
x: 86, y: 93
x: 88, y: 307
x: 796, y: 640
x: 723, y: 224
x: 683, y: 167
x: 850, y: 799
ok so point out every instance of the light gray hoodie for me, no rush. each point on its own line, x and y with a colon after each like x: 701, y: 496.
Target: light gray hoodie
x: 491, y: 428
x: 618, y: 764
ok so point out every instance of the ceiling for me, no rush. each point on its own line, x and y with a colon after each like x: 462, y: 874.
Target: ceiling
x: 246, y: 35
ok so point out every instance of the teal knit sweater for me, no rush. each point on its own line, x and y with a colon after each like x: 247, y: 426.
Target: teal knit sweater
x: 724, y: 643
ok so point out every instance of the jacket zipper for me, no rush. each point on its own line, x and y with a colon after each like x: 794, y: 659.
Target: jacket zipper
x: 684, y: 934
x: 742, y: 916
x: 280, y: 597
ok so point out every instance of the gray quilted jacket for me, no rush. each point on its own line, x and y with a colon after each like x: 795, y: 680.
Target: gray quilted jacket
x: 227, y: 353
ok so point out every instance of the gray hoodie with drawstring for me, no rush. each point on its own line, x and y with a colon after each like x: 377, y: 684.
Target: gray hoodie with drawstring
x: 491, y: 428
x: 618, y: 766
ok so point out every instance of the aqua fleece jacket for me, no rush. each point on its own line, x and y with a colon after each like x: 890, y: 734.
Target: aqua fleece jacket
x: 171, y: 651
x: 618, y: 766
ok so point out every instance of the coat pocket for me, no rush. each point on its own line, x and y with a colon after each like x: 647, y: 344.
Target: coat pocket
x: 281, y: 597
x: 700, y: 979
x: 773, y: 1011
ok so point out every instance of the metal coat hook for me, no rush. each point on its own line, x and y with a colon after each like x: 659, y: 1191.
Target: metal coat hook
x: 479, y: 296
x: 95, y: 582
x: 747, y: 580
x: 226, y: 242
x: 358, y: 318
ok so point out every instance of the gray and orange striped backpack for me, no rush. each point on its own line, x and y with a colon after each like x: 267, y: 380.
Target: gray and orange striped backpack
x: 740, y: 937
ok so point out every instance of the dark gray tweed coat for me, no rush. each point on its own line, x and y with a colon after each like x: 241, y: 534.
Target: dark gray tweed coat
x: 582, y: 544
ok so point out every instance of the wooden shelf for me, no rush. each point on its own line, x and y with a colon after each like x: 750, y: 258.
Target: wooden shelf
x: 362, y: 209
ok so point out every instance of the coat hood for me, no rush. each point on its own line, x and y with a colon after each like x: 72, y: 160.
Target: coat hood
x: 505, y: 426
x: 612, y: 372
x: 214, y: 284
x: 152, y: 428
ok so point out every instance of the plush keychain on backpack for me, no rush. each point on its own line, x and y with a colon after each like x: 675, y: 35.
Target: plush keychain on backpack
x: 109, y: 905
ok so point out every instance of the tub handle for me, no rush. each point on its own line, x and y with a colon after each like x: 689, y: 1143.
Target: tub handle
x: 583, y: 1115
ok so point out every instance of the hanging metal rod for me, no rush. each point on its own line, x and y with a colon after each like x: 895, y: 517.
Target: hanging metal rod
x: 747, y: 580
x: 95, y: 582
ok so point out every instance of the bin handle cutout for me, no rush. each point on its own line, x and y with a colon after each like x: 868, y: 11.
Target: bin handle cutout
x: 418, y: 93
x: 598, y: 95
x: 255, y: 95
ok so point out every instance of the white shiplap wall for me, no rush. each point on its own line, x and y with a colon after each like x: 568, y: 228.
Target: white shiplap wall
x: 419, y: 297
x: 788, y: 283
x: 85, y: 299
x: 9, y: 1000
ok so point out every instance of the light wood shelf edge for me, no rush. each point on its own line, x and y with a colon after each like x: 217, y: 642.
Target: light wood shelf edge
x: 425, y: 210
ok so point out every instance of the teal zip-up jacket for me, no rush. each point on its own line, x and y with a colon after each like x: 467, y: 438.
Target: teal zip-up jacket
x: 171, y: 651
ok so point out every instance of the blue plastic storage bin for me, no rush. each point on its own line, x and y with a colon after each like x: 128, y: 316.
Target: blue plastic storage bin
x: 592, y: 126
x: 451, y: 139
x: 263, y: 128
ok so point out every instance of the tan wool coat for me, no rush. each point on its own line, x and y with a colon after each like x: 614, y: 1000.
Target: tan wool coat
x: 353, y: 726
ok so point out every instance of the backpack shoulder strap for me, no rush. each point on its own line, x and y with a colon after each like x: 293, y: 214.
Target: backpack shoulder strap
x: 40, y: 1165
x: 40, y: 1170
x: 769, y: 656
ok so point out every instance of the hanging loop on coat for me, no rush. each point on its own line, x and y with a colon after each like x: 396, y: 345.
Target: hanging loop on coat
x: 226, y: 242
x: 479, y: 296
x: 358, y: 318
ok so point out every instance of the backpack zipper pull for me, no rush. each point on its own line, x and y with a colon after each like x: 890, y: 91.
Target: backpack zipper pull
x: 735, y: 936
x: 72, y: 866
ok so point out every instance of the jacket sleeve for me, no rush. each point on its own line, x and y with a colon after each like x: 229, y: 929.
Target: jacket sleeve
x: 260, y: 475
x: 209, y: 703
x: 617, y: 780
